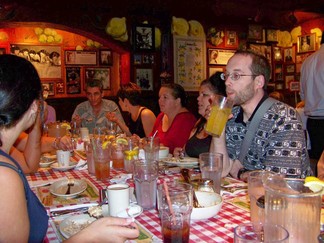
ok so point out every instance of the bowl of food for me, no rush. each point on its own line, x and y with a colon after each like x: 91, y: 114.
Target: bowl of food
x: 210, y: 204
x: 163, y: 152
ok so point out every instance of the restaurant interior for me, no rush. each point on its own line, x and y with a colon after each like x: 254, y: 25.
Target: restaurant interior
x: 144, y: 42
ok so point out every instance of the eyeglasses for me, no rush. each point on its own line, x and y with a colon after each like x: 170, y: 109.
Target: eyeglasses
x: 234, y: 76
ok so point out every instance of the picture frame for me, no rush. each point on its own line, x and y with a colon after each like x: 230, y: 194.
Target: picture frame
x: 255, y: 32
x: 288, y: 79
x: 100, y: 73
x: 143, y: 37
x: 105, y: 57
x: 289, y: 54
x: 306, y: 43
x: 294, y: 86
x: 48, y: 89
x: 231, y: 39
x: 137, y: 59
x: 219, y: 56
x: 59, y: 87
x: 73, y: 80
x: 262, y: 49
x: 290, y: 68
x: 272, y: 35
x: 45, y: 59
x: 144, y: 78
x: 73, y: 57
x: 213, y: 70
x: 189, y: 61
x: 2, y: 51
x: 148, y: 59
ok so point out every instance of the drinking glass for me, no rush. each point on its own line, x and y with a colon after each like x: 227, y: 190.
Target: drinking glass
x: 151, y: 148
x: 131, y: 152
x: 101, y: 155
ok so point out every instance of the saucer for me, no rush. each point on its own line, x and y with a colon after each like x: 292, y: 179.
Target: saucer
x: 133, y: 211
x: 55, y: 166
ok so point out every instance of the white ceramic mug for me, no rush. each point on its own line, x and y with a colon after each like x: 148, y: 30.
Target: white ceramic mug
x: 63, y: 158
x: 84, y: 133
x: 118, y: 198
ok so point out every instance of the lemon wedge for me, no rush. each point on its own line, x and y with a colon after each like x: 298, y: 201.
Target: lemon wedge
x: 111, y: 137
x: 122, y: 141
x: 314, y: 184
x: 105, y: 144
x: 66, y: 126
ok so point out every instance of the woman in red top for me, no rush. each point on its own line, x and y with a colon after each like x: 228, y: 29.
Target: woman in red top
x: 175, y: 122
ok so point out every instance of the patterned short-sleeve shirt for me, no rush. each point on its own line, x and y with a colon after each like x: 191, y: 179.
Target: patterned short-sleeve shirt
x: 279, y: 143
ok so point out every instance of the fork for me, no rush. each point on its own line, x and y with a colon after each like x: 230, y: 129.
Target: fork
x: 70, y: 184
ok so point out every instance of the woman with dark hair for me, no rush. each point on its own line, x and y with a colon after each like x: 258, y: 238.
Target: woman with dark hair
x: 174, y: 123
x: 199, y: 141
x: 23, y: 217
x: 141, y: 118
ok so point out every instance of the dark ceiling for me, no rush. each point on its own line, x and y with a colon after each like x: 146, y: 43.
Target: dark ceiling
x: 281, y: 14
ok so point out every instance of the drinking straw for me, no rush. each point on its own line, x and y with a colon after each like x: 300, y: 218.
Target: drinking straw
x: 152, y: 139
x: 165, y: 186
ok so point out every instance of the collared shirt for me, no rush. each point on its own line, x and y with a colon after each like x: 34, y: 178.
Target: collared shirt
x: 279, y: 143
x: 90, y: 120
x: 312, y: 83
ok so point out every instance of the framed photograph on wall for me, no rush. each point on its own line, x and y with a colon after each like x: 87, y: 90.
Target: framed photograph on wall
x: 272, y: 35
x: 231, y: 39
x: 213, y: 70
x: 48, y: 89
x: 99, y: 73
x: 288, y: 79
x: 59, y: 87
x: 46, y: 59
x: 144, y: 78
x: 143, y: 37
x: 73, y: 80
x: 137, y: 59
x: 290, y: 68
x: 219, y: 56
x: 255, y: 32
x: 306, y: 43
x: 289, y: 54
x: 73, y: 57
x: 105, y: 57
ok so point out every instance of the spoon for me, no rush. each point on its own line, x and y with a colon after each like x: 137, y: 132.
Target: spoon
x: 70, y: 184
x: 185, y: 174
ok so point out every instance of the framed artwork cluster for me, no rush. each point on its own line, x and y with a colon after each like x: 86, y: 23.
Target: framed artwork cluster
x: 143, y: 64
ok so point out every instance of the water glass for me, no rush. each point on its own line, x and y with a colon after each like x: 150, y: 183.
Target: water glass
x: 151, y: 148
x: 90, y: 160
x: 211, y: 166
x: 175, y: 206
x: 131, y: 152
x: 258, y: 232
x: 145, y: 176
x: 290, y: 204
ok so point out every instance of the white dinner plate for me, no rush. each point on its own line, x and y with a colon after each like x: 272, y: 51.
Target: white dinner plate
x: 60, y: 187
x: 55, y: 166
x: 186, y: 161
x: 47, y: 159
x: 72, y: 225
x: 44, y: 164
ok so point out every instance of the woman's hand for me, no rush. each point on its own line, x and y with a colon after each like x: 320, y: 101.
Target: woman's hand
x: 178, y: 152
x: 111, y: 116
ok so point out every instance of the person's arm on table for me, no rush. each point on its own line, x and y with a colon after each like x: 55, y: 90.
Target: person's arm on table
x: 107, y: 229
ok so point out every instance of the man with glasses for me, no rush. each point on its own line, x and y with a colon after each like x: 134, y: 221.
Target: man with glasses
x: 278, y: 143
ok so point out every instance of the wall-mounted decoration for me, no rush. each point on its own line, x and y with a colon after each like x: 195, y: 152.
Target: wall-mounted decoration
x: 219, y: 56
x: 306, y: 43
x: 262, y: 50
x: 231, y: 39
x: 212, y: 70
x: 59, y: 87
x: 277, y: 54
x: 189, y: 61
x: 137, y: 59
x: 73, y: 80
x: 289, y: 54
x: 290, y: 68
x: 99, y: 73
x: 148, y: 59
x: 215, y: 36
x: 105, y: 57
x: 144, y: 78
x: 48, y: 89
x: 272, y: 35
x: 143, y: 37
x: 294, y: 86
x: 255, y: 32
x: 80, y: 57
x: 46, y: 59
x: 288, y: 79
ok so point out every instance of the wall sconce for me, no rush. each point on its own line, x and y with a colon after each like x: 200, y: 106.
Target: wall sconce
x: 277, y: 54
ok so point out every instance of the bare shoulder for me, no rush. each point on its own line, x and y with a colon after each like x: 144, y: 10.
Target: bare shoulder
x: 147, y: 113
x: 9, y: 177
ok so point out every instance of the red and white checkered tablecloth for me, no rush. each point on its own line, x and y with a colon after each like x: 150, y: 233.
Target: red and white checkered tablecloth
x: 216, y: 229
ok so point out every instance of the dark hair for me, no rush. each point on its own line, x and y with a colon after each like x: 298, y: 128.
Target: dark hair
x: 322, y: 40
x: 215, y: 83
x: 259, y: 65
x: 19, y: 87
x: 94, y: 83
x: 177, y: 92
x: 130, y: 91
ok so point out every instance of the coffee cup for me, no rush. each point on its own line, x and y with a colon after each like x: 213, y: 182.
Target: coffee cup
x: 118, y: 198
x: 63, y: 158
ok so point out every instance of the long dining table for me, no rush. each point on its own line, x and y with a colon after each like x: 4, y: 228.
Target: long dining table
x: 219, y: 228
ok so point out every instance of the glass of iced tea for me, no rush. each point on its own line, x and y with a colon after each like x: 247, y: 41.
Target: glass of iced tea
x: 101, y: 156
x: 220, y: 111
x: 175, y: 222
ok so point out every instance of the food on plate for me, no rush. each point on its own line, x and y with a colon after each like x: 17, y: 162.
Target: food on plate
x: 95, y: 211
